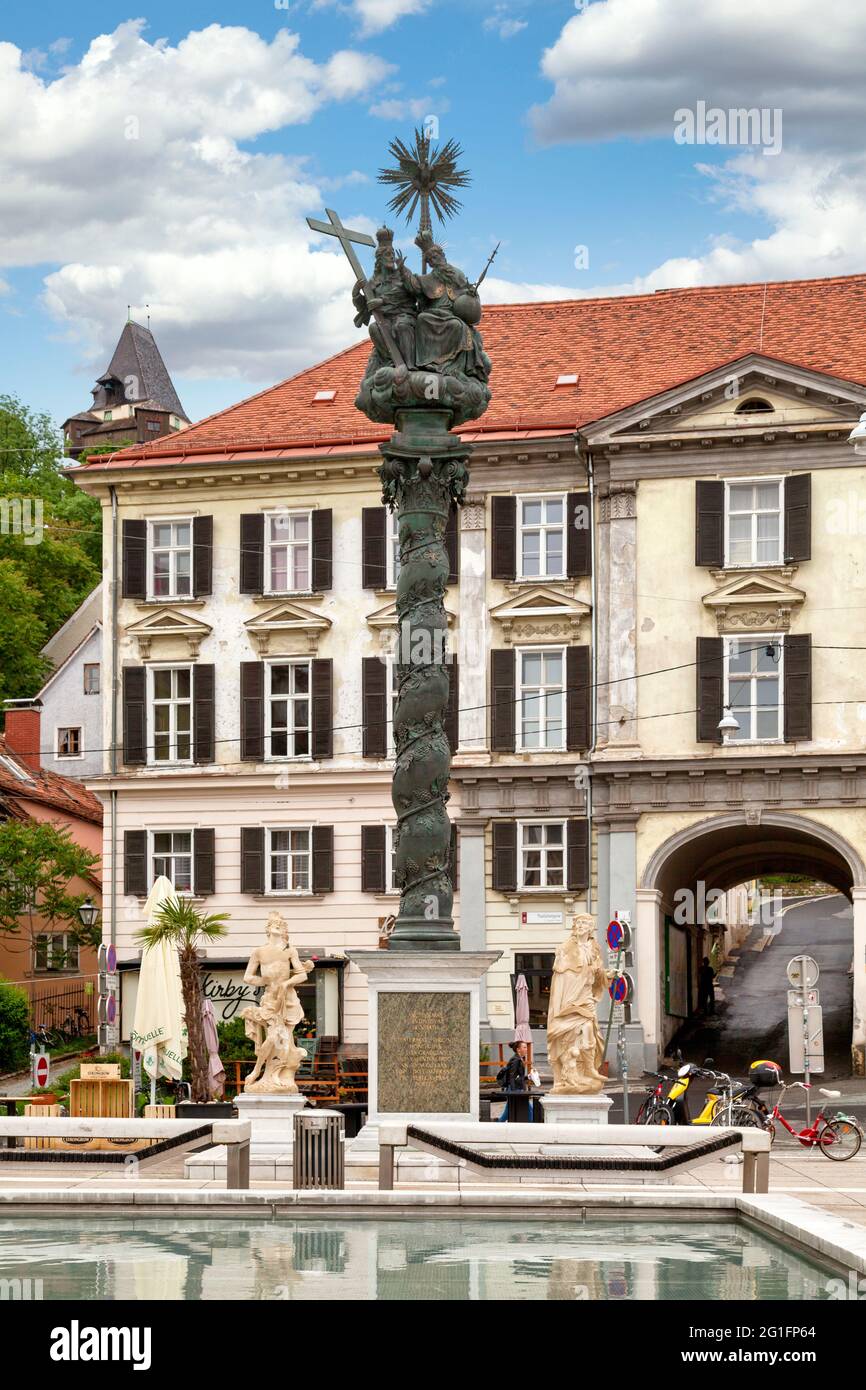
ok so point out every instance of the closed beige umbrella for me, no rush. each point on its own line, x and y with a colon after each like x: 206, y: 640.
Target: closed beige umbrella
x: 159, y: 1030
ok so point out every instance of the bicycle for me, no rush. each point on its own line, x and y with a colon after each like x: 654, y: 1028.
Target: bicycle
x: 838, y: 1136
x: 653, y: 1110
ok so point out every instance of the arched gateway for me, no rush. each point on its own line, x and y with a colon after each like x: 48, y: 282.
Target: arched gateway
x: 721, y: 851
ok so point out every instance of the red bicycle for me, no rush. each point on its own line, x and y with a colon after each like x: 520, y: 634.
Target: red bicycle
x: 838, y: 1136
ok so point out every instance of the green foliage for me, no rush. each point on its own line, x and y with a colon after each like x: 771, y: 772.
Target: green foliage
x: 14, y: 1027
x: 234, y: 1045
x: 180, y: 922
x: 37, y: 863
x: 40, y: 584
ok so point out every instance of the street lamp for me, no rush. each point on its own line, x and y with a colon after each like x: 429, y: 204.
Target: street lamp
x: 727, y: 724
x: 857, y: 437
x: 88, y: 914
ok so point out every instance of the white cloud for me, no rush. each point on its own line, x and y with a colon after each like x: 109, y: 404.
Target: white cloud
x: 503, y: 23
x: 375, y: 15
x: 130, y: 171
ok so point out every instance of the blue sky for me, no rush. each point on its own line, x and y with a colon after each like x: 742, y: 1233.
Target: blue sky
x: 170, y: 154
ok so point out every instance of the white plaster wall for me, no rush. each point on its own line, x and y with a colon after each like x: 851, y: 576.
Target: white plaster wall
x: 64, y: 704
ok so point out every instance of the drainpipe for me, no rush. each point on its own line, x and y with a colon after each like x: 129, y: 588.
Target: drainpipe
x: 593, y: 661
x: 112, y: 491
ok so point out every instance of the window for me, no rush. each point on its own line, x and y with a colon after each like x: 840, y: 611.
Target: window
x: 755, y: 405
x: 91, y: 678
x: 287, y: 705
x: 171, y: 705
x: 55, y: 951
x: 392, y: 550
x: 108, y: 415
x: 390, y: 860
x: 171, y: 854
x: 753, y: 687
x: 537, y: 969
x: 541, y: 675
x: 170, y: 559
x: 541, y: 854
x: 289, y: 855
x: 287, y: 561
x: 69, y: 743
x: 541, y: 527
x: 754, y: 523
x: 153, y: 424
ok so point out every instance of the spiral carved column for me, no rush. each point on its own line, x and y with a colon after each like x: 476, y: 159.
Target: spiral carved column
x: 423, y: 476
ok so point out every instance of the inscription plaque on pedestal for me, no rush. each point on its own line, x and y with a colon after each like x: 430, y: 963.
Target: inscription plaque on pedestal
x: 424, y: 1049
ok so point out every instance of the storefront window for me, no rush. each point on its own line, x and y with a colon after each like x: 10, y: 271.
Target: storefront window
x: 537, y: 969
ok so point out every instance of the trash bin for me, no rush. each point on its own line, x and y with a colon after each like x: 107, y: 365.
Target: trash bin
x: 318, y: 1158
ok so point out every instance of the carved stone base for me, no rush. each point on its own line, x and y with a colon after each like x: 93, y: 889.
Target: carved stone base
x: 271, y: 1117
x: 577, y: 1110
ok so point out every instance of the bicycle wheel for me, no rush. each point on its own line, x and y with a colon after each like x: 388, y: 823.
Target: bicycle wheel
x: 840, y: 1139
x: 660, y: 1115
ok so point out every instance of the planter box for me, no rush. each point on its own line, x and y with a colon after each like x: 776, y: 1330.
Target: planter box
x: 216, y: 1110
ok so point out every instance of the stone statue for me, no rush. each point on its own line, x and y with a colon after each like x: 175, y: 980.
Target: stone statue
x: 574, y: 1043
x: 385, y: 295
x: 276, y: 969
x: 447, y: 340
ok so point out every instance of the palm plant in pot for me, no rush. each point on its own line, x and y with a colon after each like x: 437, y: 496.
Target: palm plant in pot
x: 182, y: 925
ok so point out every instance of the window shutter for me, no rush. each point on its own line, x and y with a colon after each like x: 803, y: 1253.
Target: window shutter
x: 322, y: 687
x: 252, y: 859
x: 323, y: 859
x: 798, y: 517
x: 252, y: 711
x: 502, y: 716
x: 578, y: 699
x: 577, y: 837
x: 373, y: 570
x: 202, y: 555
x: 134, y: 716
x: 203, y: 715
x: 373, y: 850
x: 323, y: 549
x: 504, y: 544
x: 204, y: 862
x: 578, y: 536
x: 252, y: 566
x: 374, y: 703
x: 505, y: 856
x: 798, y: 687
x: 454, y: 860
x: 452, y: 545
x: 452, y: 713
x: 134, y: 559
x: 709, y: 689
x: 135, y: 863
x: 710, y: 524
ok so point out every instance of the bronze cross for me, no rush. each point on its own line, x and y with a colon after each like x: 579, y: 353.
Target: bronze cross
x: 334, y: 227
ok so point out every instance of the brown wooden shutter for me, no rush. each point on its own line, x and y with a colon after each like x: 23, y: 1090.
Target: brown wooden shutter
x: 454, y: 858
x: 323, y: 549
x: 505, y: 856
x: 577, y: 837
x: 203, y: 714
x: 578, y: 543
x: 322, y: 692
x: 452, y: 713
x: 578, y: 699
x: 710, y: 524
x: 374, y: 842
x: 504, y: 543
x: 135, y: 559
x: 373, y: 568
x: 252, y: 859
x: 252, y: 711
x: 204, y: 863
x: 202, y: 555
x: 252, y: 566
x: 709, y: 689
x: 798, y: 517
x: 135, y: 863
x: 798, y: 687
x: 502, y: 714
x: 374, y: 705
x: 134, y: 716
x: 323, y: 859
x: 452, y: 545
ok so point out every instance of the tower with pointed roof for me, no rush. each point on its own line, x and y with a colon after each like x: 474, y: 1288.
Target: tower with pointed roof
x: 134, y: 401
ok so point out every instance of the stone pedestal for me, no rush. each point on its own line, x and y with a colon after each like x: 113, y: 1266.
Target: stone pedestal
x: 579, y: 1110
x: 424, y: 1034
x: 271, y: 1140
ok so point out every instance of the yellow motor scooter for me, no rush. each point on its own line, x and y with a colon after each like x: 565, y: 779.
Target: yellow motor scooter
x: 720, y: 1107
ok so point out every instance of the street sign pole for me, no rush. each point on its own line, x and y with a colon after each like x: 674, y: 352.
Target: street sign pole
x: 806, y: 1064
x: 623, y: 1070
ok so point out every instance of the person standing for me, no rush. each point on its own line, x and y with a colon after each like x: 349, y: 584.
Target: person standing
x: 512, y: 1077
x: 706, y: 988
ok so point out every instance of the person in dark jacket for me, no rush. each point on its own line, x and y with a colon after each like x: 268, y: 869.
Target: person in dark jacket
x: 706, y: 987
x: 512, y: 1077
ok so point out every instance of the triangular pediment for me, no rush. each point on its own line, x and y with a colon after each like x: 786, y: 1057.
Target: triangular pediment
x: 387, y: 617
x: 752, y: 588
x: 284, y: 621
x: 762, y: 601
x: 166, y: 625
x: 733, y: 399
x: 541, y: 613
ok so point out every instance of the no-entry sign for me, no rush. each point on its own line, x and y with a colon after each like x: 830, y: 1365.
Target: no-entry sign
x: 40, y: 1071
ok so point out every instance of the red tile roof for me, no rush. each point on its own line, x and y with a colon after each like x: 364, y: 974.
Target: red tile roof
x: 624, y: 350
x: 48, y: 788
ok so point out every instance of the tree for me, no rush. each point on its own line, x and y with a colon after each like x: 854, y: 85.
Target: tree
x: 181, y: 923
x: 14, y: 1027
x: 22, y: 634
x: 38, y: 862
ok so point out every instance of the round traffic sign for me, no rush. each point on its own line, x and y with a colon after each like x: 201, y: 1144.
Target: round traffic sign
x: 41, y: 1071
x: 111, y: 959
x: 618, y: 989
x: 615, y: 934
x: 803, y: 972
x: 110, y: 1009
